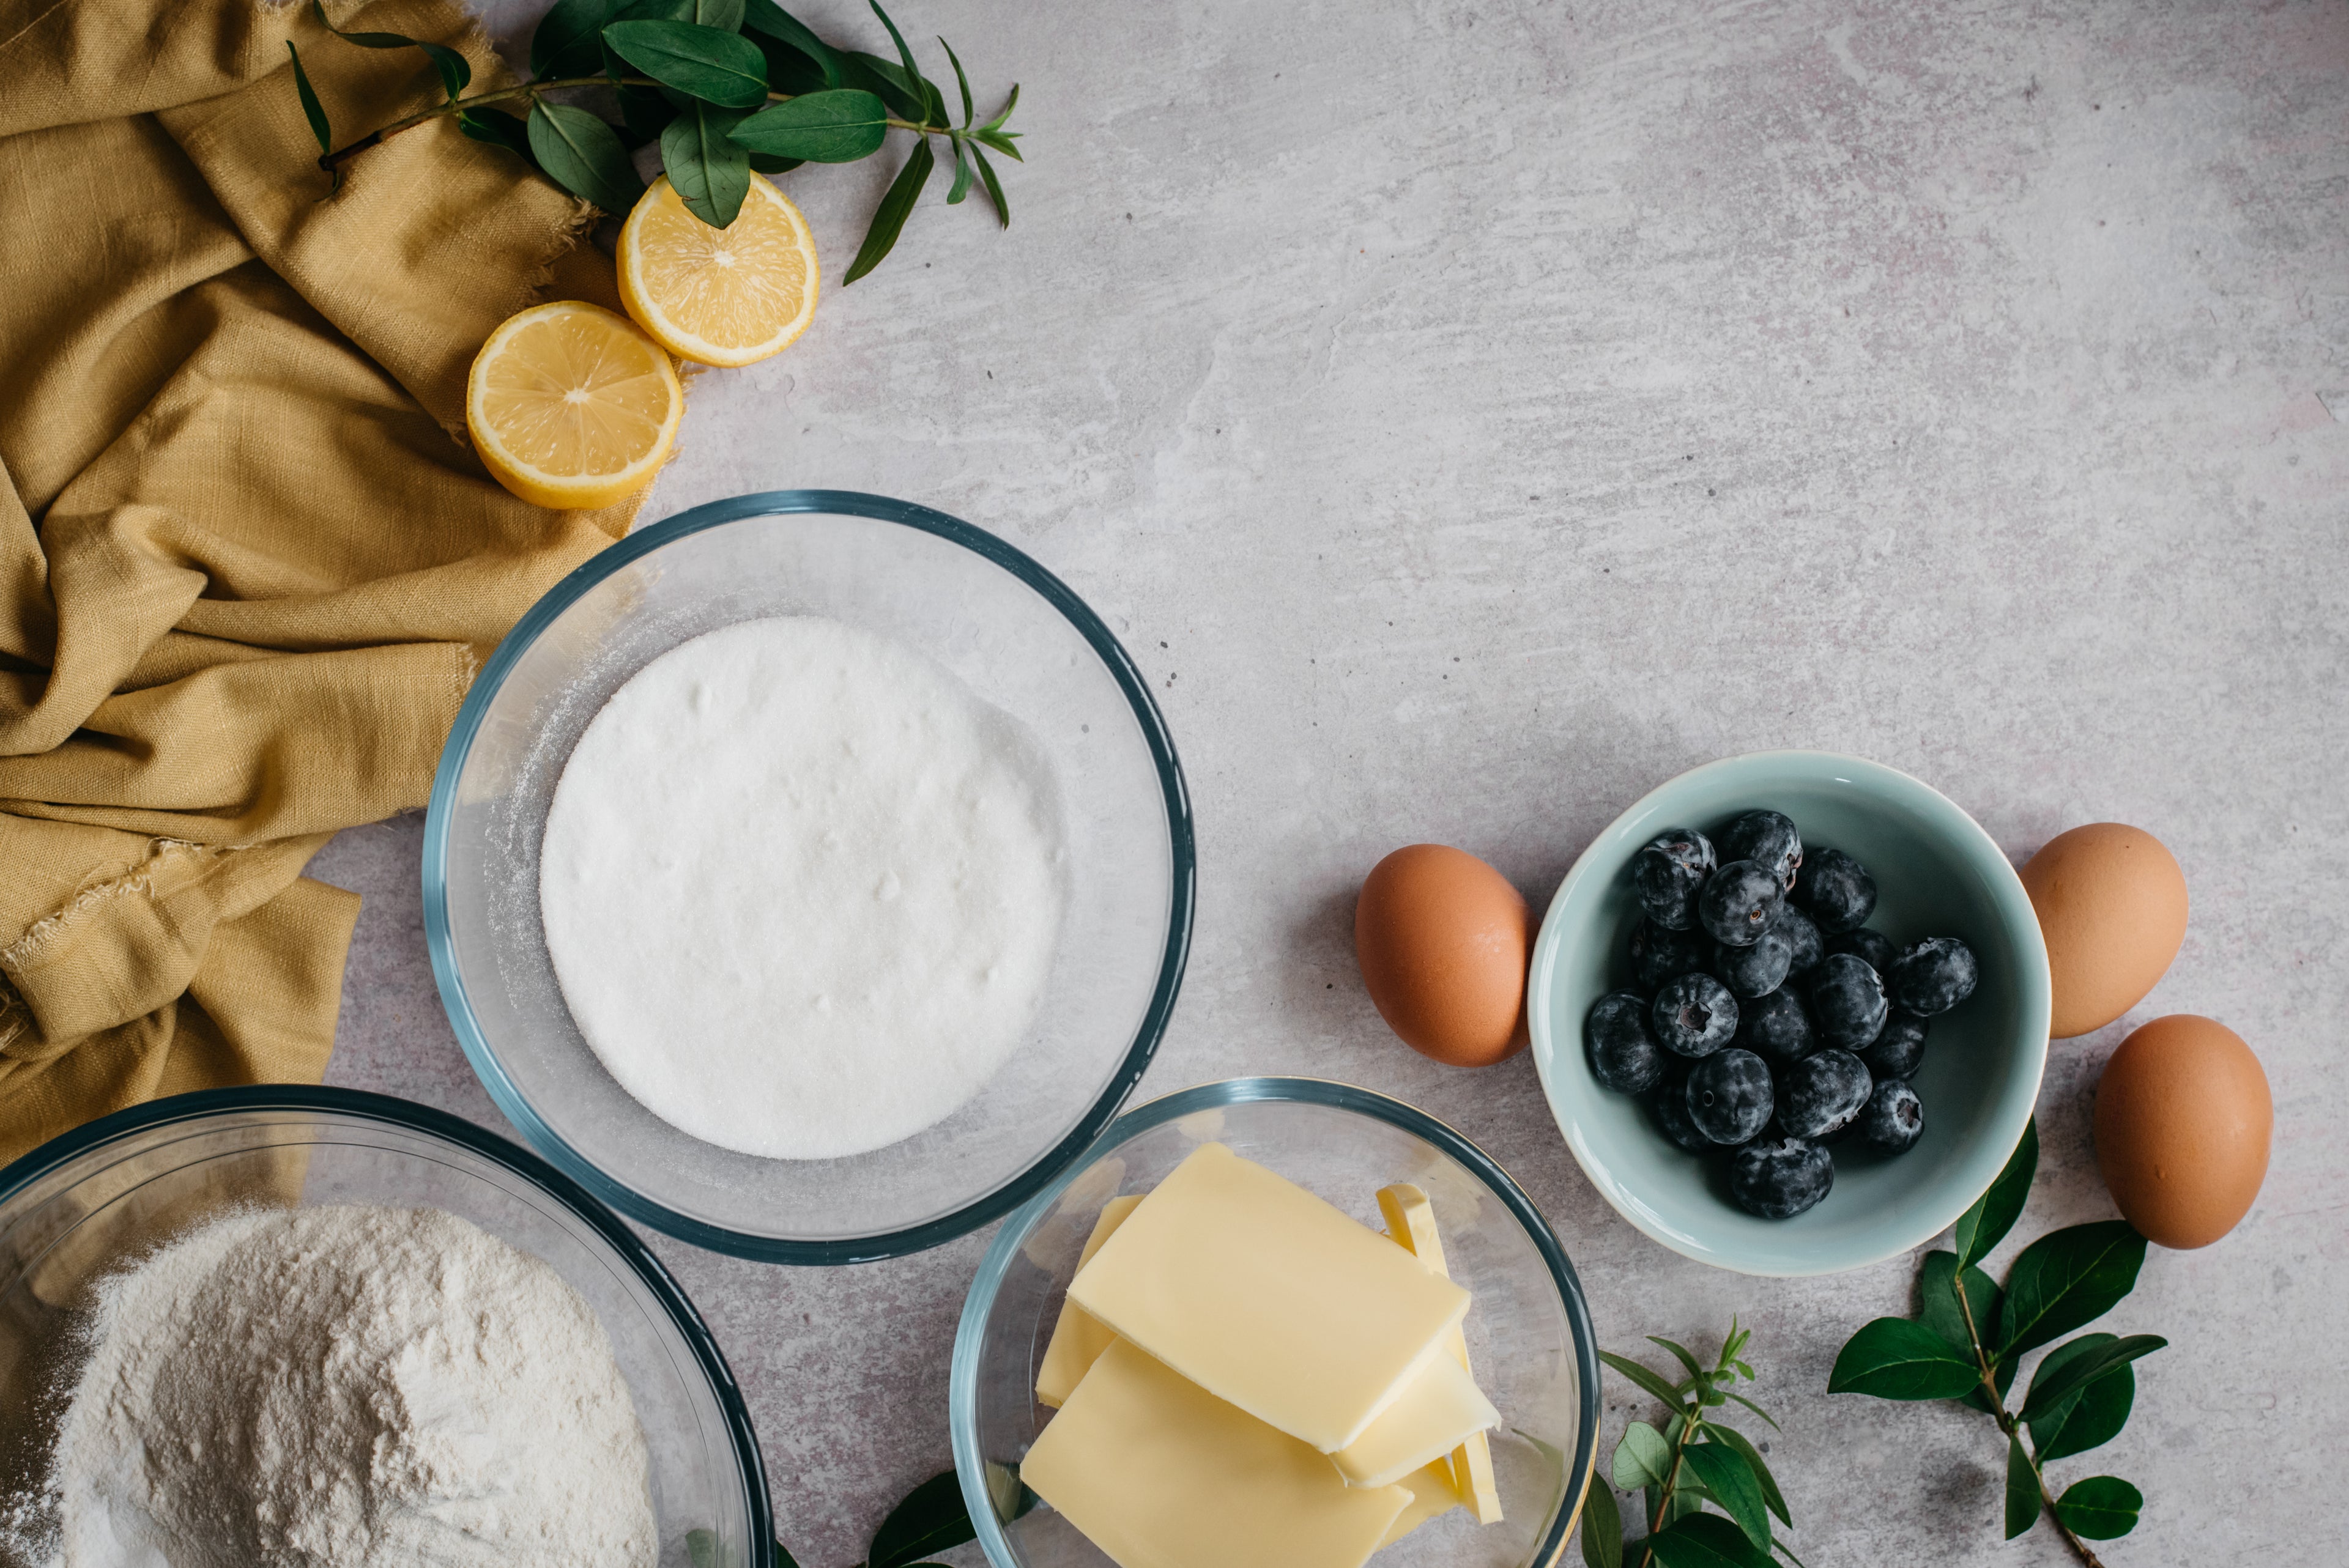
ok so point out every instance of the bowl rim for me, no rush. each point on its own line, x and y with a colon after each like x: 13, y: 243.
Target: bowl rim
x: 1981, y: 1166
x: 407, y: 1115
x: 1180, y: 850
x: 962, y: 1383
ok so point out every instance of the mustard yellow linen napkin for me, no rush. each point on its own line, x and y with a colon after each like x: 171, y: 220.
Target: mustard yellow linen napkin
x: 245, y: 571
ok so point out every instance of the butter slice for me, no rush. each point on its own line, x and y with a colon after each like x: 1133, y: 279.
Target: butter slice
x: 1439, y: 1409
x: 1269, y: 1298
x: 1079, y: 1338
x: 1411, y: 1221
x: 1160, y: 1473
x: 1431, y: 1494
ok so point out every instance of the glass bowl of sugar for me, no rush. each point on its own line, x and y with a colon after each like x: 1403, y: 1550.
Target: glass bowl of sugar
x: 810, y: 876
x: 1026, y: 1355
x: 404, y: 1287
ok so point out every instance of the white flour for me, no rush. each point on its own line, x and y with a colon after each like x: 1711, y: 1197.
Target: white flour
x: 349, y: 1387
x: 801, y: 888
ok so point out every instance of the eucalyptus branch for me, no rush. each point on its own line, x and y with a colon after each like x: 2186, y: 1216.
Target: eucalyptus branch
x: 725, y: 86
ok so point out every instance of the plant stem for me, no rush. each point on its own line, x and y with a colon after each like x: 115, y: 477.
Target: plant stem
x: 333, y: 161
x: 2009, y: 1425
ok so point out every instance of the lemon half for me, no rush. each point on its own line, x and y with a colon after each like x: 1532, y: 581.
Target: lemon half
x: 718, y: 297
x: 571, y: 405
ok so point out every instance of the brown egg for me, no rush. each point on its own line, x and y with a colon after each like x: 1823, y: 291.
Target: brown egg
x: 1442, y: 939
x: 2112, y: 905
x: 2182, y: 1124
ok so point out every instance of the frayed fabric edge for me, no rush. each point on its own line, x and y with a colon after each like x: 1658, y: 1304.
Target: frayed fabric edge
x: 139, y: 879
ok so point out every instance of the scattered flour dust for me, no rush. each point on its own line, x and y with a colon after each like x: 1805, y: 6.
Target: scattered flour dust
x: 348, y: 1387
x: 801, y: 888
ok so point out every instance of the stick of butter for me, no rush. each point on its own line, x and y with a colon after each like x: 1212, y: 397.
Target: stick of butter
x: 1079, y: 1337
x: 1266, y: 1296
x: 1160, y: 1473
x: 1438, y: 1410
x: 1411, y: 1221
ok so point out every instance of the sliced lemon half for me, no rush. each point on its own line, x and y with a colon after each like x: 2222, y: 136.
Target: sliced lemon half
x: 718, y: 297
x: 571, y: 405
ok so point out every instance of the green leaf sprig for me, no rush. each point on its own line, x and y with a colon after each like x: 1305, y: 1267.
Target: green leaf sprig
x: 1696, y: 1458
x: 1969, y: 1337
x: 724, y: 87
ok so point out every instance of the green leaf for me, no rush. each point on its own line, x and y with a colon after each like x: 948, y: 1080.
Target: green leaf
x: 1726, y: 1475
x: 1937, y: 1300
x: 1985, y: 1225
x: 726, y: 16
x: 1753, y: 1457
x: 969, y: 113
x: 905, y: 58
x: 1705, y: 1540
x: 568, y: 42
x: 961, y: 186
x: 2090, y: 1417
x: 312, y: 109
x: 1893, y: 1358
x: 887, y: 80
x: 2056, y: 1382
x: 1642, y: 1458
x: 2065, y: 1279
x: 783, y: 1558
x: 932, y: 1519
x: 1697, y: 1369
x: 2021, y: 1489
x: 994, y: 191
x: 1602, y: 1527
x: 2101, y: 1508
x: 723, y: 69
x: 1005, y: 112
x: 889, y: 219
x: 1000, y: 140
x: 1757, y: 1410
x: 644, y: 113
x: 822, y: 128
x: 498, y: 129
x: 582, y: 154
x: 1787, y: 1550
x: 711, y: 174
x: 766, y: 163
x: 772, y: 23
x: 1652, y: 1381
x: 455, y: 70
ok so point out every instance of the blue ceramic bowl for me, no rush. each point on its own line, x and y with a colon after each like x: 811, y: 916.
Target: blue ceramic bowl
x: 1937, y: 873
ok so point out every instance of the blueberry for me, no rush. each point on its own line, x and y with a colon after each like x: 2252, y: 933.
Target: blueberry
x: 1892, y: 1119
x: 1659, y: 955
x: 1805, y: 943
x: 1728, y: 1095
x: 1624, y: 1054
x: 1738, y: 903
x: 1694, y: 1016
x: 1848, y: 1005
x: 1780, y: 1177
x: 1897, y: 1050
x: 1822, y: 1093
x: 1933, y: 976
x: 1776, y: 1027
x: 1668, y: 874
x: 1768, y: 838
x: 1758, y: 970
x: 1872, y: 948
x: 1669, y: 1105
x: 1836, y: 889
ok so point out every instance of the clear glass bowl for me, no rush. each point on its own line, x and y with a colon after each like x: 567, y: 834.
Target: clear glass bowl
x: 1529, y: 1336
x: 1020, y: 639
x: 85, y: 1204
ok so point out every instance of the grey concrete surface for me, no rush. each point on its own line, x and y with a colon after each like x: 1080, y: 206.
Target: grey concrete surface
x: 1472, y: 414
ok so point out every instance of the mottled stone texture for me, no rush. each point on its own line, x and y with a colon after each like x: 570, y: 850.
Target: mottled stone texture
x: 1473, y: 414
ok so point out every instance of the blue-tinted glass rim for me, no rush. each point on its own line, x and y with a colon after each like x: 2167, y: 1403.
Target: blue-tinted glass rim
x: 1181, y: 879
x: 962, y: 1381
x: 409, y: 1116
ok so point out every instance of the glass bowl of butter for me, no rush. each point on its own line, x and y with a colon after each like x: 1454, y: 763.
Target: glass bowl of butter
x: 1276, y: 1322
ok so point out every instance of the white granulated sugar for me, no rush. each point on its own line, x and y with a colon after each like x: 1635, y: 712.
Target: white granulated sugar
x: 801, y: 888
x: 349, y: 1387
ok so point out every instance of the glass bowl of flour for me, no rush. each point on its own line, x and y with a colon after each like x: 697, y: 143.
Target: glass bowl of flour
x: 280, y: 1324
x: 810, y: 875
